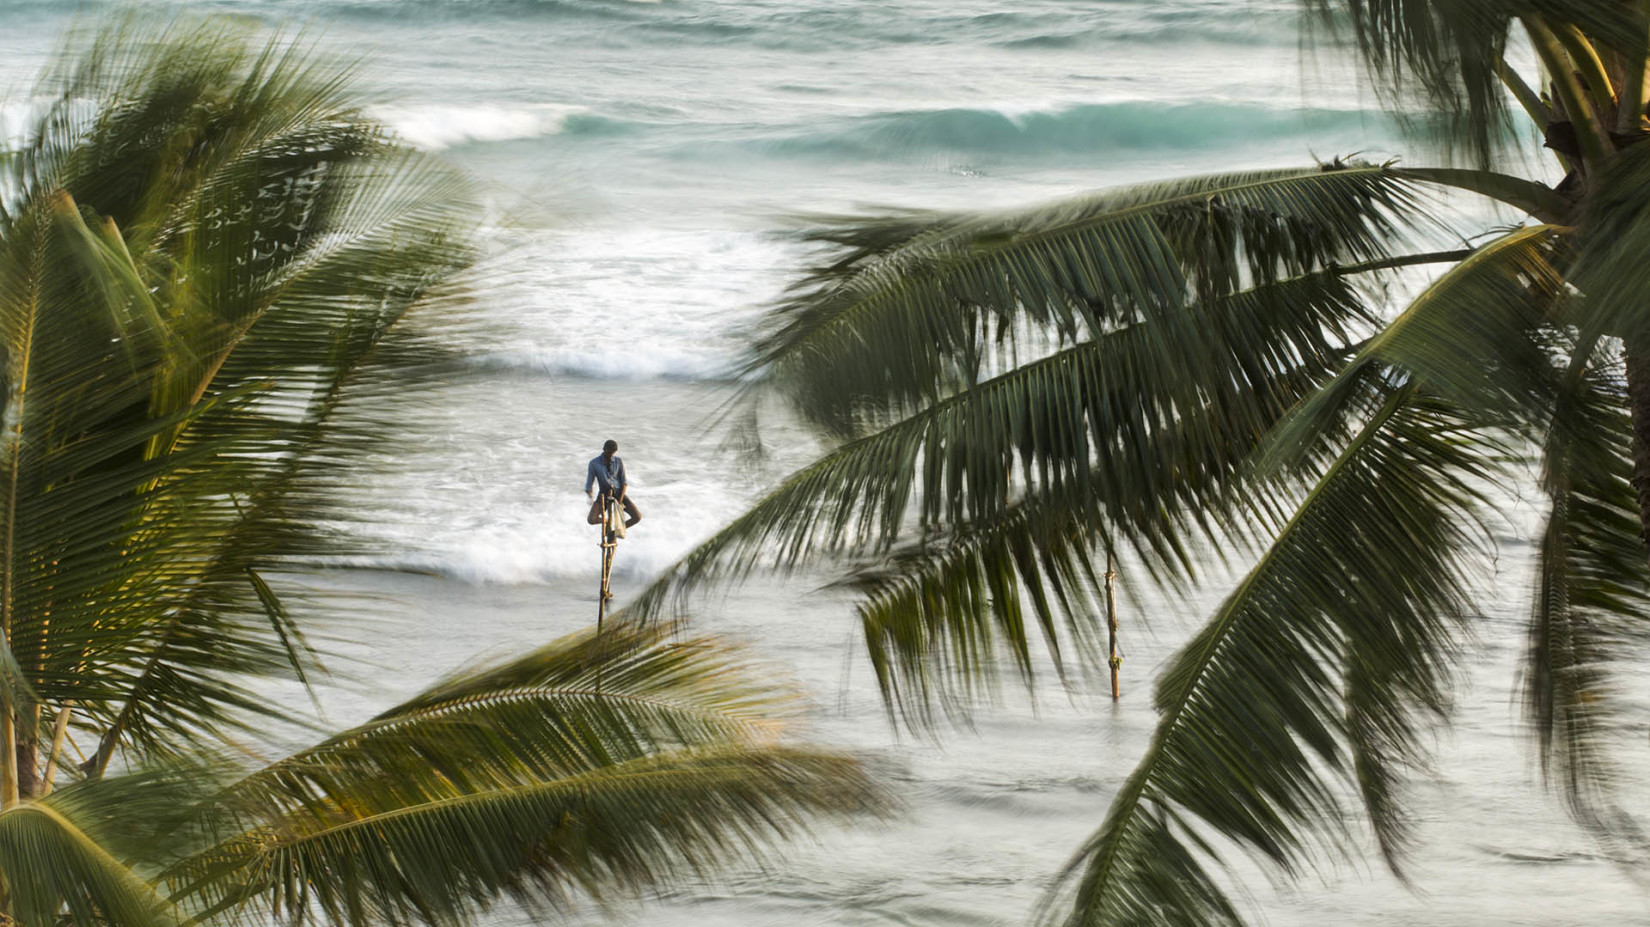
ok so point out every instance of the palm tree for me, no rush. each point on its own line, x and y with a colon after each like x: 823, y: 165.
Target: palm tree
x: 1204, y: 368
x: 209, y: 262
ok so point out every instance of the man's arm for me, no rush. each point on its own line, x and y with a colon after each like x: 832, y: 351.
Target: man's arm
x: 624, y: 483
x: 589, y: 477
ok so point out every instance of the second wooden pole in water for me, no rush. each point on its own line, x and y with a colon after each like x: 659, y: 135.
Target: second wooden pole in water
x: 1115, y: 660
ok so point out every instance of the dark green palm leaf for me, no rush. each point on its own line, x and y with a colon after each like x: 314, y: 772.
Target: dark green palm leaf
x: 259, y: 245
x: 1442, y: 57
x: 898, y: 320
x: 1475, y: 336
x: 1309, y: 681
x: 940, y: 617
x: 1139, y: 425
x: 598, y: 765
x: 1592, y: 600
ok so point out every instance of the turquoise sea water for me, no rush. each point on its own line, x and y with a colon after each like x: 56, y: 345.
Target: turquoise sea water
x: 639, y: 159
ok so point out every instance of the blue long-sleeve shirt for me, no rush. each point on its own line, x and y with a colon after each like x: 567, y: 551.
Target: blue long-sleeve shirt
x: 607, y: 475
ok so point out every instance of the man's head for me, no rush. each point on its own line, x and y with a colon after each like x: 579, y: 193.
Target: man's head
x: 610, y: 448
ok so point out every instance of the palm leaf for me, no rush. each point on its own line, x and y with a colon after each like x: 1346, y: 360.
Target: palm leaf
x: 597, y: 765
x: 1138, y: 426
x: 617, y: 830
x: 940, y: 617
x: 267, y: 243
x: 1613, y: 259
x: 50, y: 866
x: 1310, y: 679
x: 1441, y: 58
x: 1592, y: 598
x: 902, y: 316
x: 1475, y: 335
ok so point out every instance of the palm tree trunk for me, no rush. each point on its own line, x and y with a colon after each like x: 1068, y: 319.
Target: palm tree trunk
x: 28, y: 749
x: 8, y: 756
x: 1638, y: 405
x: 59, y: 731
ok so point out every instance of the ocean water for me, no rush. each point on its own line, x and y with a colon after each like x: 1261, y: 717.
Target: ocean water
x: 640, y: 159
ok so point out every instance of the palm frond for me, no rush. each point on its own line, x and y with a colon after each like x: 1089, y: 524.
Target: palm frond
x: 1137, y: 428
x: 258, y: 247
x: 1592, y: 598
x: 1474, y: 336
x: 1540, y: 201
x: 899, y: 316
x: 1440, y: 58
x: 50, y: 866
x: 941, y: 616
x: 1311, y: 680
x: 615, y: 831
x: 575, y: 704
x: 599, y: 766
x: 1613, y: 259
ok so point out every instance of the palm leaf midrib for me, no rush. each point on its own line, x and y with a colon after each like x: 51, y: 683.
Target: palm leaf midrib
x: 513, y: 696
x: 654, y: 766
x: 16, y: 451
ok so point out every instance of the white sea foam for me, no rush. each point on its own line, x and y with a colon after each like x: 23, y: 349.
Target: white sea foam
x: 435, y: 127
x: 631, y: 303
x: 543, y: 538
x: 658, y: 361
x: 16, y: 121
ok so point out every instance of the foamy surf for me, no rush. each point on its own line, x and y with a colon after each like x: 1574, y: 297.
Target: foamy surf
x: 547, y: 540
x: 436, y: 127
x: 628, y: 303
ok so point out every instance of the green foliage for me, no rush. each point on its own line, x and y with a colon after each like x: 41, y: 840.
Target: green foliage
x: 1209, y: 369
x: 1315, y: 672
x: 1439, y: 62
x: 600, y: 766
x: 1592, y: 598
x: 203, y: 245
x: 906, y: 313
x: 214, y: 273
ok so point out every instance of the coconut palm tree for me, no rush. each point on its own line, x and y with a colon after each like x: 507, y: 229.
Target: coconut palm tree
x: 209, y: 266
x: 1207, y: 368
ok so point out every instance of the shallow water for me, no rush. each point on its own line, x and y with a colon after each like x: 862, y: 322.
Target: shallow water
x: 641, y: 158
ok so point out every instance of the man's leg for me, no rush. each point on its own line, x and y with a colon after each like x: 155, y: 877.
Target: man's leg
x: 632, y: 514
x: 596, y: 511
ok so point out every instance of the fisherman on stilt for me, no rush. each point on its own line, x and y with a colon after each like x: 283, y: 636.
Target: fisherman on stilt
x: 607, y: 472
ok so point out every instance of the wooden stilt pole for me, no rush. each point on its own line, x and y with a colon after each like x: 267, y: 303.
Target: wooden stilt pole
x: 609, y: 541
x: 1111, y: 623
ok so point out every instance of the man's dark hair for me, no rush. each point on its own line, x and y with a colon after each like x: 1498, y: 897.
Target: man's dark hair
x: 611, y: 445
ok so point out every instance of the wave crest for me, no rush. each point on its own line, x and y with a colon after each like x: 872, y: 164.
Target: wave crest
x: 437, y: 127
x: 1084, y: 128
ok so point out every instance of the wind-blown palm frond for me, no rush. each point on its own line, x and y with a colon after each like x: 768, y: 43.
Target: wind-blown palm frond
x: 599, y: 765
x: 62, y: 856
x: 1613, y: 260
x: 1356, y: 643
x: 1310, y: 678
x: 208, y: 260
x: 1019, y: 391
x: 1592, y: 601
x: 899, y: 318
x: 1137, y: 427
x: 938, y: 618
x: 260, y: 245
x: 1148, y: 466
x: 1472, y: 336
x: 1442, y: 58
